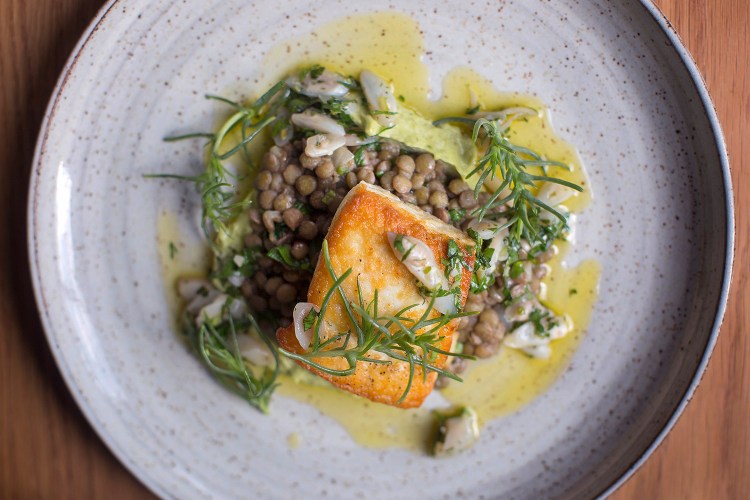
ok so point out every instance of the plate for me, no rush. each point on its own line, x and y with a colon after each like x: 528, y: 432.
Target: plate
x: 621, y: 88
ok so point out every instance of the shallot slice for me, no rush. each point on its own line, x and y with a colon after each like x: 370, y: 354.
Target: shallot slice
x: 418, y: 259
x: 319, y: 122
x: 301, y: 310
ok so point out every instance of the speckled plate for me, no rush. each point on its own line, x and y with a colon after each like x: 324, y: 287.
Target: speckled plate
x: 621, y: 88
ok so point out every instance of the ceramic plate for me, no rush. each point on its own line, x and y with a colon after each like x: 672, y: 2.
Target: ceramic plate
x: 620, y: 87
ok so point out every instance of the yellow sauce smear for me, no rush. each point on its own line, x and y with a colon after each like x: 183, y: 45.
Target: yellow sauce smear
x: 178, y: 258
x: 389, y: 44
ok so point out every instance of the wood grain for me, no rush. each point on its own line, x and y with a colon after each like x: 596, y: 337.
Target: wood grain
x: 48, y: 450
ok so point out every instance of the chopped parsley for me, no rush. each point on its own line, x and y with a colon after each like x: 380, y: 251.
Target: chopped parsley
x: 359, y: 155
x: 457, y: 214
x: 283, y: 254
x: 309, y: 320
x: 313, y: 72
x: 454, y: 261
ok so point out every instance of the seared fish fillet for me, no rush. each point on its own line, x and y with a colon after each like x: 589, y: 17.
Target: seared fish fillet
x: 357, y: 239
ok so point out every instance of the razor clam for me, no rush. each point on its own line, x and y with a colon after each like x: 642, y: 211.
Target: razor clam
x: 323, y: 144
x: 317, y: 121
x: 328, y: 84
x: 379, y: 97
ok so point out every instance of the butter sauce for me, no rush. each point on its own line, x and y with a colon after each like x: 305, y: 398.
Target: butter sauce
x: 390, y: 44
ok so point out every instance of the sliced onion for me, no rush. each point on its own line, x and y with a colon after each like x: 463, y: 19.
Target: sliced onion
x: 343, y: 160
x: 524, y: 336
x: 284, y: 136
x: 355, y: 140
x: 201, y: 300
x: 238, y: 308
x: 323, y: 144
x: 445, y: 304
x: 254, y: 350
x: 211, y: 310
x: 538, y: 351
x: 553, y: 194
x: 301, y: 310
x: 488, y: 229
x: 460, y: 432
x: 500, y: 253
x: 188, y: 288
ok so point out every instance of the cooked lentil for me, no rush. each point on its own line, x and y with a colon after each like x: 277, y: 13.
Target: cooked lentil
x: 305, y: 192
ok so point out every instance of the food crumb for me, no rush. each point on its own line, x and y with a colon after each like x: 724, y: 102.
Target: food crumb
x: 293, y: 440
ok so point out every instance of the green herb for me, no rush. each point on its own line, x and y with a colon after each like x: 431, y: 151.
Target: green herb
x: 313, y: 72
x: 283, y: 254
x: 383, y: 112
x: 481, y: 278
x: 216, y: 184
x: 401, y: 98
x: 538, y: 318
x: 471, y: 111
x: 572, y: 292
x: 337, y: 109
x: 172, y: 250
x: 442, y: 292
x: 296, y: 103
x: 516, y: 269
x: 398, y: 244
x: 329, y: 196
x: 359, y: 155
x: 279, y: 230
x: 218, y: 348
x: 397, y: 336
x: 457, y: 214
x: 226, y: 266
x: 454, y: 261
x: 301, y: 207
x: 309, y: 320
x: 509, y: 162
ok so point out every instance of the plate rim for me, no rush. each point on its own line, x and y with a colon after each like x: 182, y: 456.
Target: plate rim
x: 142, y: 474
x: 718, y: 139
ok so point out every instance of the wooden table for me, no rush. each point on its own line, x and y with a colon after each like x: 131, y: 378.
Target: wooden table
x: 48, y: 450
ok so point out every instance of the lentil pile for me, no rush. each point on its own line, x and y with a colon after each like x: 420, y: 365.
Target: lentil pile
x: 297, y: 196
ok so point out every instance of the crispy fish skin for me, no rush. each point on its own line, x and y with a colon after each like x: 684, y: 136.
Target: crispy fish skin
x: 357, y: 239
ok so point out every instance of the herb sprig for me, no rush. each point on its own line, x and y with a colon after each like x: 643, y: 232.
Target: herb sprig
x: 397, y: 336
x: 216, y: 183
x: 509, y: 163
x: 218, y: 348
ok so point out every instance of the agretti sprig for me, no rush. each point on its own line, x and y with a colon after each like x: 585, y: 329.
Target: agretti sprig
x: 217, y: 347
x: 216, y: 183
